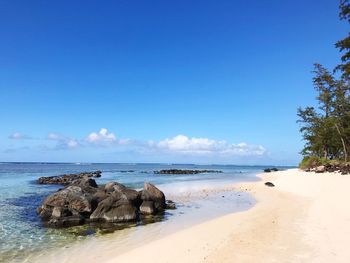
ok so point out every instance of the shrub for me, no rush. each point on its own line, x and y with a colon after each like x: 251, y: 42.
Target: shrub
x: 312, y: 161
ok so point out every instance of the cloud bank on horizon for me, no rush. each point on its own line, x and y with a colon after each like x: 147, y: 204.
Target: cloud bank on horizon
x: 179, y: 145
x: 203, y: 146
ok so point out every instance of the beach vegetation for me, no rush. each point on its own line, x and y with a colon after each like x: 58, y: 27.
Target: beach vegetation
x: 326, y: 127
x: 313, y: 161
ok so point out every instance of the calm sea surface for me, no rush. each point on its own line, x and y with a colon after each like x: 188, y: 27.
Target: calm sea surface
x: 21, y: 232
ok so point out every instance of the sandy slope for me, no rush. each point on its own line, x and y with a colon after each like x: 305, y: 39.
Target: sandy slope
x: 305, y: 218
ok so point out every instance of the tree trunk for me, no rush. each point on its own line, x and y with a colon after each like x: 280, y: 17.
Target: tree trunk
x: 343, y: 143
x: 325, y: 153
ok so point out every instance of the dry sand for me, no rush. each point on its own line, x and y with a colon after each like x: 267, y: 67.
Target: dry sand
x: 304, y: 218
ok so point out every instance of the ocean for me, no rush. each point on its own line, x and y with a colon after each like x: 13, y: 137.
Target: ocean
x: 22, y: 234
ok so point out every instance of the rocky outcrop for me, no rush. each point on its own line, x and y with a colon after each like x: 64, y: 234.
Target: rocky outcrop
x: 147, y: 208
x: 320, y: 169
x: 83, y: 201
x: 269, y: 170
x: 69, y: 206
x: 115, y: 209
x: 170, y: 204
x: 67, y: 179
x: 178, y: 171
x: 343, y: 168
x: 152, y: 194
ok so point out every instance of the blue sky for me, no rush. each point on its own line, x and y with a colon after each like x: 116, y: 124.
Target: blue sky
x: 160, y: 81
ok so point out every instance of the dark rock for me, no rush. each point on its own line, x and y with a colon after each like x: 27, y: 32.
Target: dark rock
x: 61, y: 212
x: 71, y: 201
x: 67, y: 179
x: 123, y: 192
x: 119, y: 187
x: 115, y: 186
x: 45, y: 213
x: 269, y: 184
x: 343, y: 168
x: 83, y: 201
x: 115, y: 210
x: 178, y: 171
x: 85, y: 182
x: 132, y: 196
x: 147, y: 208
x: 96, y: 173
x: 109, y: 187
x: 152, y: 193
x: 99, y: 195
x: 66, y: 221
x: 268, y: 170
x: 170, y: 205
x: 72, y: 197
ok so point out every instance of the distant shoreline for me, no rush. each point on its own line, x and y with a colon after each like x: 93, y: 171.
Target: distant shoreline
x: 156, y: 163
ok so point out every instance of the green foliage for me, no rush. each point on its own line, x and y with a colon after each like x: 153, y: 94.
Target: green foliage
x: 313, y: 161
x: 318, y: 126
x: 344, y: 44
x: 326, y: 129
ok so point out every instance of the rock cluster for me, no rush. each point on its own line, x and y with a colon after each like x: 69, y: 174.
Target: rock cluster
x: 268, y: 170
x: 341, y: 168
x: 67, y: 179
x: 179, y: 171
x: 83, y: 201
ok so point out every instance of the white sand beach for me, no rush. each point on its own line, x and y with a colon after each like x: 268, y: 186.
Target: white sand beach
x: 304, y: 218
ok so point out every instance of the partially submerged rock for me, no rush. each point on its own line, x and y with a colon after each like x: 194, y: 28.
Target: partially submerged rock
x: 152, y: 193
x: 170, y: 204
x: 83, y: 201
x: 179, y: 171
x: 268, y: 170
x: 67, y: 179
x: 66, y: 221
x: 70, y: 201
x: 114, y: 209
x: 147, y: 208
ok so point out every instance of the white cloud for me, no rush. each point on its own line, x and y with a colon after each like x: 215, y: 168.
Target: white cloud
x: 103, y: 136
x: 55, y: 136
x: 72, y: 143
x: 63, y: 142
x: 19, y: 136
x: 185, y: 145
x: 180, y: 146
x: 99, y: 139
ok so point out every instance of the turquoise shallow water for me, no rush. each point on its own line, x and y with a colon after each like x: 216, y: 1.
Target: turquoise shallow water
x: 21, y: 232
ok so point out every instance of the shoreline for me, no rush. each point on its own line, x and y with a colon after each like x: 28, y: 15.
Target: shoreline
x: 198, y: 203
x: 302, y: 219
